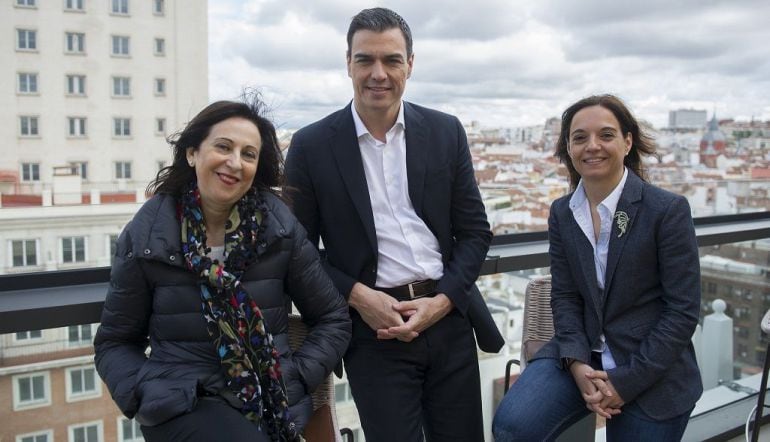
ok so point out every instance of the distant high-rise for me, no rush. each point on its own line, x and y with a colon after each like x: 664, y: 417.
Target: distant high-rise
x: 94, y: 87
x: 687, y: 119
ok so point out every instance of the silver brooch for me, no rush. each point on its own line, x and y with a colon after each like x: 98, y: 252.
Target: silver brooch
x: 621, y: 218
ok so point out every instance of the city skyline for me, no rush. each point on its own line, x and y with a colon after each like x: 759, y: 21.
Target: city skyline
x: 502, y: 63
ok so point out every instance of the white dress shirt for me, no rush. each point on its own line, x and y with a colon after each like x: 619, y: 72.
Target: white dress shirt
x: 581, y: 210
x: 407, y: 250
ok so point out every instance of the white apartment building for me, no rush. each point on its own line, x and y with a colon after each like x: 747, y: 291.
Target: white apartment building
x: 95, y: 86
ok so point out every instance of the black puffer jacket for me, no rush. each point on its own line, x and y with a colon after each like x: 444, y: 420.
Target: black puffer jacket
x: 153, y: 295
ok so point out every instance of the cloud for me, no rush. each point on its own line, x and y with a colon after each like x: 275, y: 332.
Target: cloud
x: 501, y: 60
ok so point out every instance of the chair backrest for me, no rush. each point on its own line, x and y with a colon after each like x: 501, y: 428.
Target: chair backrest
x: 537, y: 329
x: 322, y: 426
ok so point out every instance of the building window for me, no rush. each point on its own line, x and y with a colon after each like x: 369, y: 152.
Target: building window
x: 39, y: 436
x: 28, y: 126
x: 160, y: 86
x: 24, y: 252
x: 121, y: 127
x: 123, y: 170
x: 76, y: 84
x: 113, y: 247
x: 74, y: 5
x: 158, y: 7
x: 27, y: 3
x: 30, y: 171
x: 121, y: 86
x: 76, y: 126
x: 128, y: 430
x: 120, y: 7
x: 120, y: 45
x: 27, y: 83
x: 160, y: 126
x: 88, y: 432
x: 28, y: 335
x: 75, y: 42
x: 31, y: 390
x: 78, y: 335
x: 82, y: 383
x: 73, y: 249
x: 160, y: 46
x: 80, y: 168
x: 26, y: 40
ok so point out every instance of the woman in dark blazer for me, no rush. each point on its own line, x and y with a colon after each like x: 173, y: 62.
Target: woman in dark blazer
x: 625, y: 293
x: 206, y: 274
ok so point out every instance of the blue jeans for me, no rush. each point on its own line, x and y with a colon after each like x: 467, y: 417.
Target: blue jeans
x: 545, y: 401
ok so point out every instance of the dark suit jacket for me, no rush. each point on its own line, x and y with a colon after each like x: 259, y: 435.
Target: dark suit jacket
x: 327, y: 183
x: 649, y: 307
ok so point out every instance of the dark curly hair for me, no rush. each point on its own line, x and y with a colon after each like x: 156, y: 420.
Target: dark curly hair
x: 174, y: 179
x: 641, y: 144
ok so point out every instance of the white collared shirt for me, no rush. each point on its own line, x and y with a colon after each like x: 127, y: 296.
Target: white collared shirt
x: 407, y: 250
x: 581, y: 210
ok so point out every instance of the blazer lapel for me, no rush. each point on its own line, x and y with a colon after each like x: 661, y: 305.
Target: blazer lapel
x: 347, y: 153
x: 632, y: 193
x: 585, y: 256
x: 417, y: 135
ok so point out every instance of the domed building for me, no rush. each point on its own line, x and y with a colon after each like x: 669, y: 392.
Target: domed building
x: 712, y: 144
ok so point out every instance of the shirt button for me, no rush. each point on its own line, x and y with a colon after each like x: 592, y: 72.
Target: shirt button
x: 147, y: 251
x: 130, y: 254
x: 172, y: 258
x: 282, y: 231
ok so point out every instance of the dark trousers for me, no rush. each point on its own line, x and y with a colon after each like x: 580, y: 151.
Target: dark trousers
x: 212, y: 420
x: 428, y: 386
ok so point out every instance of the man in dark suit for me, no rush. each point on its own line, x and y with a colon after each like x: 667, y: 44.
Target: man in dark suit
x: 389, y: 188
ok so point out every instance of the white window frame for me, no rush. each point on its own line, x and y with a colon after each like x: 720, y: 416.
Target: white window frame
x: 159, y: 86
x: 77, y: 127
x: 121, y: 87
x: 24, y: 246
x: 122, y: 170
x: 135, y: 424
x: 160, y: 126
x: 159, y: 46
x: 72, y: 5
x: 74, y: 42
x: 76, y: 85
x: 119, y: 7
x: 85, y: 395
x: 31, y: 172
x: 120, y: 46
x: 72, y: 240
x: 30, y: 4
x: 27, y: 83
x: 99, y: 429
x: 81, y: 342
x: 27, y: 47
x: 28, y: 339
x: 44, y: 402
x: 80, y: 168
x: 47, y: 433
x: 121, y: 127
x: 32, y: 126
x: 159, y: 7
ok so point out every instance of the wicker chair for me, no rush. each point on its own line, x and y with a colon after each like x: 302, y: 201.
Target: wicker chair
x: 537, y: 330
x: 322, y: 426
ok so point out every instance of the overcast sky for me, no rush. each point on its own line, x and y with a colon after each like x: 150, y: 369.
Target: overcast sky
x: 505, y: 62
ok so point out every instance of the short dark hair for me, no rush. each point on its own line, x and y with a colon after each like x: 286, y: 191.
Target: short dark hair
x: 175, y: 178
x: 379, y: 20
x: 641, y: 142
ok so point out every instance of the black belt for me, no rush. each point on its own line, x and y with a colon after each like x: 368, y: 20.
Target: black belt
x: 413, y: 290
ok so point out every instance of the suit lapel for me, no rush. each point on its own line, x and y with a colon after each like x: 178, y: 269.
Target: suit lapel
x: 632, y: 193
x: 417, y: 135
x: 347, y: 153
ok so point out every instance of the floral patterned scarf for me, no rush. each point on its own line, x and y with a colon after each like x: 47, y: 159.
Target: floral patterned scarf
x: 249, y: 357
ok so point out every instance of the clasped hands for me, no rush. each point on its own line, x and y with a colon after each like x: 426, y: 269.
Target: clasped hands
x: 597, y: 390
x: 393, y: 319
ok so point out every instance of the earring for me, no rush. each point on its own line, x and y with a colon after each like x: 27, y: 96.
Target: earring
x: 192, y: 164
